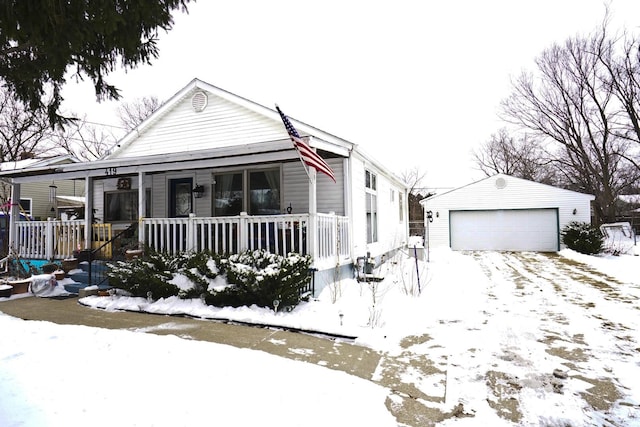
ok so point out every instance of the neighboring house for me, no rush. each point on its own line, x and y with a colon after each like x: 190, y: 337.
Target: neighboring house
x: 35, y: 201
x: 503, y: 213
x: 210, y: 170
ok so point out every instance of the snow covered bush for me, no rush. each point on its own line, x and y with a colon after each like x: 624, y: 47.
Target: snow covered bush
x: 582, y: 237
x: 252, y: 277
x: 260, y: 278
x: 143, y: 275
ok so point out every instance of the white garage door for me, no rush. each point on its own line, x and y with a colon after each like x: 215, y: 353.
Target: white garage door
x: 505, y: 230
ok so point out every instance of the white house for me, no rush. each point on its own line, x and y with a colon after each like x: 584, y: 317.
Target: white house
x: 503, y: 213
x: 210, y: 170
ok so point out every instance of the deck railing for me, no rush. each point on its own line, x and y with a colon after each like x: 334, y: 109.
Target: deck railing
x: 278, y: 234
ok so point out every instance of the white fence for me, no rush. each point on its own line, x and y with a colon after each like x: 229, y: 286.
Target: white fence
x: 278, y: 234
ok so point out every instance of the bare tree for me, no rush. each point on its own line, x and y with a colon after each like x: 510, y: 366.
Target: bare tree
x: 413, y: 178
x: 85, y: 141
x: 21, y: 132
x: 522, y: 157
x: 567, y: 104
x: 133, y: 113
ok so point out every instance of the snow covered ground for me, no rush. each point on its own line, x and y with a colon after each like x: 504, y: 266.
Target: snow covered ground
x: 481, y: 339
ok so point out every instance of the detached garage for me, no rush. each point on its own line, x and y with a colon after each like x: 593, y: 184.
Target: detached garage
x: 504, y: 213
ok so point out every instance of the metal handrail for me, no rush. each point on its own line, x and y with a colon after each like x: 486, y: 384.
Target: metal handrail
x: 132, y: 227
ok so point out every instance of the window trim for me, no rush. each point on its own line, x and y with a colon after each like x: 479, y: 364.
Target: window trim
x: 246, y: 202
x: 371, y: 192
x: 27, y: 212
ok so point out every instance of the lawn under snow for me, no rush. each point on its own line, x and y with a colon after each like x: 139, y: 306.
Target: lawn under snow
x: 496, y: 327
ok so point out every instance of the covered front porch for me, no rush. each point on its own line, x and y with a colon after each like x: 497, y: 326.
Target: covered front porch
x: 325, y: 237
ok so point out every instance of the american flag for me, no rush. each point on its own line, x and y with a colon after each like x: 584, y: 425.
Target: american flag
x: 307, y: 155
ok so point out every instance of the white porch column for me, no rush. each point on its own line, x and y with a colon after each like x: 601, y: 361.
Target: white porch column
x: 14, y: 212
x: 312, y: 232
x: 348, y: 202
x: 88, y: 211
x: 142, y: 204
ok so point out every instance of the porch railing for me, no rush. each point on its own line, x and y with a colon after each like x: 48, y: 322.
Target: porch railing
x: 55, y: 239
x: 278, y: 234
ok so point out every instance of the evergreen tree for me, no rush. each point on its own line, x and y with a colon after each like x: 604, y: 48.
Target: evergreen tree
x: 40, y: 41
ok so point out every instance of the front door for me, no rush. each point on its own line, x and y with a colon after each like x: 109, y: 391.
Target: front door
x: 180, y: 198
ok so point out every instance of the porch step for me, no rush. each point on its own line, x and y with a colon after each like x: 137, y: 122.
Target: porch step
x: 83, y: 277
x: 74, y: 288
x: 96, y: 267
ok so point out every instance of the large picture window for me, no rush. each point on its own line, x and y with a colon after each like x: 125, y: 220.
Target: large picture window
x: 371, y: 206
x: 254, y: 191
x: 121, y: 206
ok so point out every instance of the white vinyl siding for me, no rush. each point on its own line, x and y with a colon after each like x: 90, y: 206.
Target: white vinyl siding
x: 329, y: 194
x: 220, y: 124
x: 392, y: 234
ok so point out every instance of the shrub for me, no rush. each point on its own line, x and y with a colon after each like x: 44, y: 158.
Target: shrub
x: 260, y: 278
x: 254, y: 277
x: 142, y: 275
x: 582, y: 237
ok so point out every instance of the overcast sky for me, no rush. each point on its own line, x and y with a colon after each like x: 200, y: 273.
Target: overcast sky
x: 414, y: 83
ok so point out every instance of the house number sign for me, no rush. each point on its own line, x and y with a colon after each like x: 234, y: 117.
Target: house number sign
x: 110, y: 171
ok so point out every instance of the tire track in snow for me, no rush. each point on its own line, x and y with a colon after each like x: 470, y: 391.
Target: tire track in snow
x: 582, y: 319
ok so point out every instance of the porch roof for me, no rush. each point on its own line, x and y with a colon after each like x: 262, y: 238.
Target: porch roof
x: 272, y: 151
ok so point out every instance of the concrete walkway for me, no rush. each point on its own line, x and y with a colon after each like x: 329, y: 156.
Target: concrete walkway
x: 334, y: 354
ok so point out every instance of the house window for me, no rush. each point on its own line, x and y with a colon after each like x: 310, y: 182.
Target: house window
x: 228, y: 194
x: 25, y: 206
x: 371, y: 206
x: 147, y: 203
x: 254, y: 191
x: 121, y: 206
x: 401, y: 206
x: 264, y: 192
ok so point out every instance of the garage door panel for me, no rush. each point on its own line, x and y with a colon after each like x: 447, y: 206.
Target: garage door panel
x: 505, y: 230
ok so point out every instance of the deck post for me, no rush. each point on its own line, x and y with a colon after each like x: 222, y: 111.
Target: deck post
x: 49, y: 239
x: 243, y: 234
x: 191, y: 233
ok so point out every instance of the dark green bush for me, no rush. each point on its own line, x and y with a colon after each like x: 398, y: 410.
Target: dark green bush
x: 260, y: 278
x: 151, y: 273
x: 254, y: 277
x: 582, y: 237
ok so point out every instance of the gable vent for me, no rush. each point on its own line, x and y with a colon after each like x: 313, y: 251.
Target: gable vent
x: 501, y: 183
x: 199, y: 101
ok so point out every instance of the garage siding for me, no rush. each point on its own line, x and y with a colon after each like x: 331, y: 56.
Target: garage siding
x: 505, y: 230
